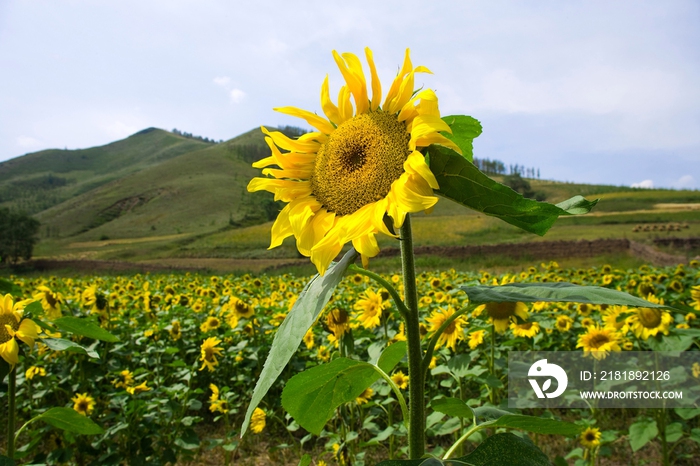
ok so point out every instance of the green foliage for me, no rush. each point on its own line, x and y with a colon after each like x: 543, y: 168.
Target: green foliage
x: 464, y: 130
x: 18, y: 235
x: 462, y: 182
x: 84, y: 327
x: 553, y: 292
x: 522, y: 186
x: 313, y: 298
x: 641, y: 432
x: 70, y: 420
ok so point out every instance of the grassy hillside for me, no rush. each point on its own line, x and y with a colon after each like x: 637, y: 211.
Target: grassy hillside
x: 37, y: 181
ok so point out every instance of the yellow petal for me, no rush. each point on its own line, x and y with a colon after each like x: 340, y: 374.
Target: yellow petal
x: 9, y: 351
x: 283, y: 142
x: 415, y: 164
x: 351, y: 69
x: 328, y: 106
x: 413, y: 194
x: 281, y: 229
x: 325, y: 251
x: 344, y: 104
x: 314, y: 120
x: 376, y: 84
x: 315, y: 230
x: 396, y: 84
x: 28, y: 332
x: 284, y: 190
x: 366, y: 245
x: 300, y: 212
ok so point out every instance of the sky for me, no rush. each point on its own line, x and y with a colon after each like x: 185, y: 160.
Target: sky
x: 586, y: 91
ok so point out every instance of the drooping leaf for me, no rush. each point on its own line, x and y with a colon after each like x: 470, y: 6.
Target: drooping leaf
x: 462, y: 182
x: 538, y: 425
x: 392, y: 355
x: 453, y: 407
x: 70, y: 420
x: 312, y: 396
x: 553, y: 292
x: 464, y: 130
x: 499, y: 449
x: 312, y: 299
x: 84, y: 327
x: 641, y: 432
x: 60, y: 344
x: 7, y: 286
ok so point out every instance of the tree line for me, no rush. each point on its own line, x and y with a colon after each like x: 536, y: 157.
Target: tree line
x: 496, y: 167
x: 185, y: 134
x: 18, y: 235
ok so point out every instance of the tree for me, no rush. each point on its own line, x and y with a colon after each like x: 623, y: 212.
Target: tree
x: 18, y: 235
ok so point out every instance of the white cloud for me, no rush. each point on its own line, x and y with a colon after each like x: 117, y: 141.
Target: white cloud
x: 222, y: 81
x: 648, y: 184
x: 27, y: 142
x: 237, y: 96
x: 686, y: 181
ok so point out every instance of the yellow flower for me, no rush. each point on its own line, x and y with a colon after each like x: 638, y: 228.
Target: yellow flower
x: 526, y: 329
x: 309, y: 339
x: 476, y: 338
x: 215, y: 403
x: 175, y: 330
x: 598, y: 342
x: 50, y: 301
x: 209, y: 353
x: 241, y: 308
x: 83, y: 403
x: 502, y: 313
x: 257, y: 421
x: 563, y: 323
x: 33, y: 371
x: 647, y: 322
x: 212, y: 323
x: 365, y: 396
x: 138, y: 389
x: 323, y: 353
x: 590, y: 438
x: 612, y: 320
x: 453, y: 332
x: 13, y: 327
x: 371, y: 307
x: 358, y: 167
x: 337, y: 321
x: 696, y: 370
x: 400, y: 379
x: 127, y: 379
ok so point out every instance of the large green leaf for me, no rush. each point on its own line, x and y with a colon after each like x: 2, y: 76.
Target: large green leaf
x: 538, y: 425
x: 464, y: 130
x: 641, y: 432
x: 70, y: 420
x: 84, y: 327
x: 500, y: 449
x: 553, y: 292
x: 312, y: 396
x: 5, y: 461
x: 391, y: 356
x: 60, y: 344
x: 7, y: 286
x: 462, y: 182
x: 312, y: 299
x: 452, y: 407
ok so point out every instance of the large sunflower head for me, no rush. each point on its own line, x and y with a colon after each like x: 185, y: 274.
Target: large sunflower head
x: 598, y: 342
x: 14, y: 327
x: 361, y: 165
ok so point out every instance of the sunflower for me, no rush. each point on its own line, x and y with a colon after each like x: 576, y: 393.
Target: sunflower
x: 83, y: 403
x: 50, y: 301
x: 598, y: 342
x: 241, y: 308
x: 212, y: 323
x: 13, y: 327
x: 400, y: 379
x: 452, y: 332
x: 696, y: 370
x: 138, y: 388
x: 612, y: 319
x: 126, y: 380
x: 257, y: 421
x: 647, y: 322
x: 502, y: 313
x: 338, y: 322
x: 476, y: 338
x: 590, y: 438
x: 175, y: 330
x: 361, y: 164
x: 309, y: 339
x: 365, y: 396
x: 34, y: 371
x: 526, y: 329
x: 370, y: 308
x: 695, y: 295
x: 209, y: 353
x: 563, y: 323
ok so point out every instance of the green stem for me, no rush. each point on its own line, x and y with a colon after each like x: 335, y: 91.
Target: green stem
x: 11, y: 408
x: 463, y: 438
x: 492, y: 365
x: 416, y: 389
x: 399, y: 396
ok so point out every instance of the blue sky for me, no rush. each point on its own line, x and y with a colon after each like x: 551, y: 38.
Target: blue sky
x: 586, y: 91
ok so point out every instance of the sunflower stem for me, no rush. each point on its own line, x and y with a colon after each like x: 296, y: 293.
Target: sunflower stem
x: 416, y: 389
x: 11, y: 408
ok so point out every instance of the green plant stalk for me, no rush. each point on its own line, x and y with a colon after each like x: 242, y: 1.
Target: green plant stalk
x: 11, y: 408
x: 399, y: 396
x: 463, y: 438
x: 416, y: 389
x: 492, y: 365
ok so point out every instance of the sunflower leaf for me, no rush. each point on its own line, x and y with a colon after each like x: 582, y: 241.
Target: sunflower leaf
x: 538, y: 425
x: 312, y: 396
x: 464, y: 130
x: 462, y: 182
x: 60, y: 344
x: 553, y: 292
x: 84, y: 327
x: 312, y: 299
x: 453, y: 407
x: 70, y: 420
x: 7, y: 286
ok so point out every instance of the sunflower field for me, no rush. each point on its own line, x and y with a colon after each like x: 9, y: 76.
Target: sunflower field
x: 172, y: 381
